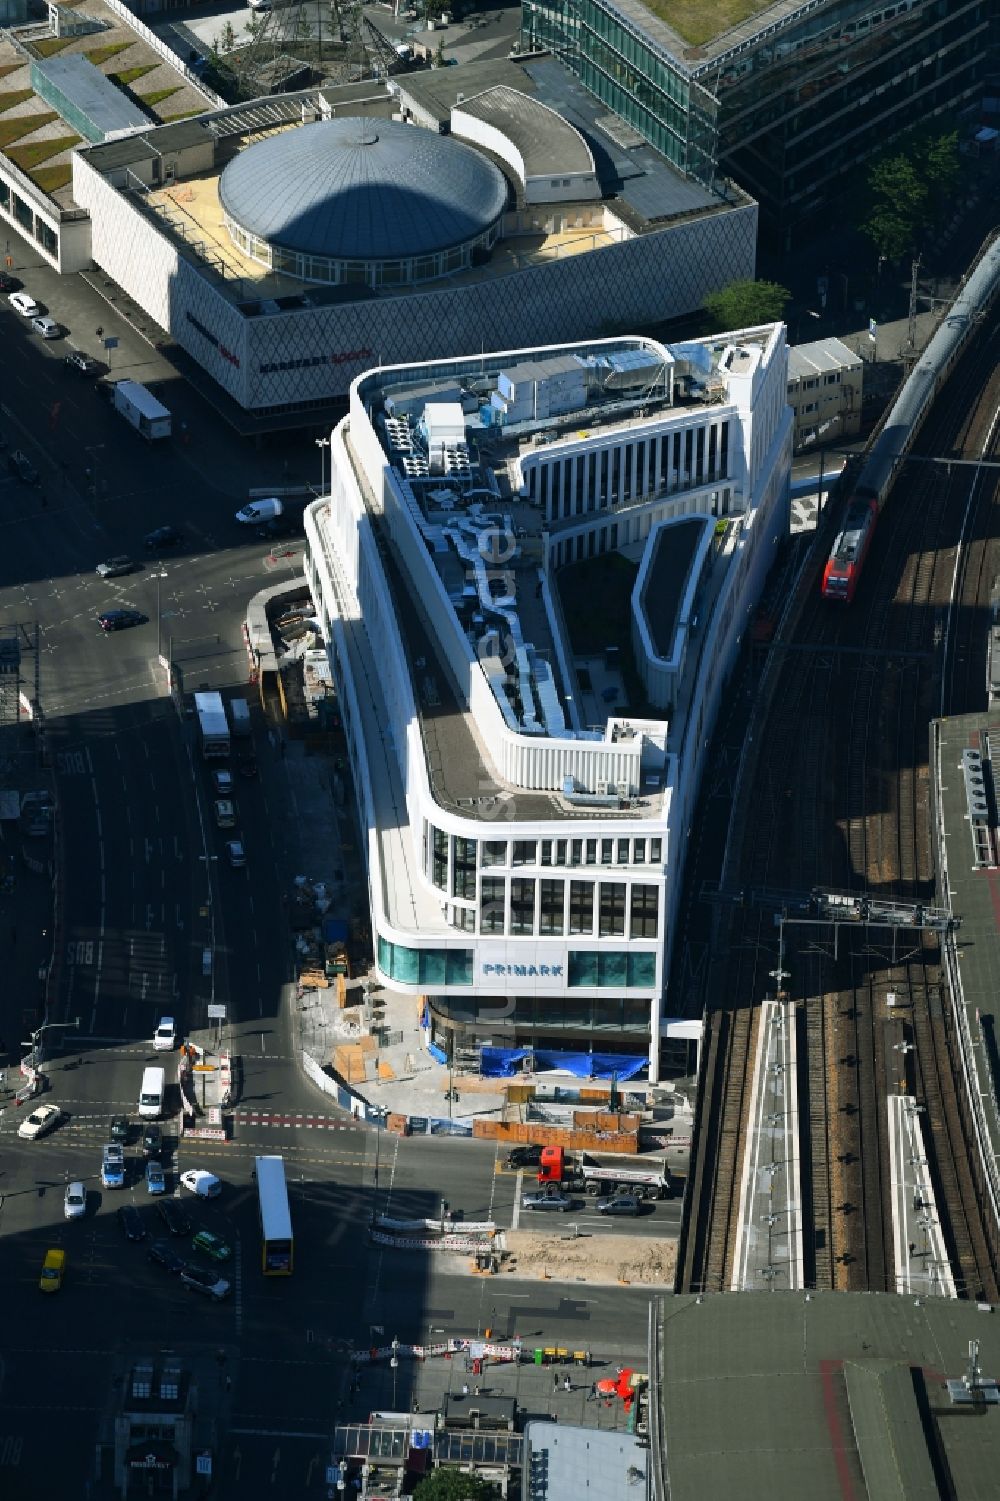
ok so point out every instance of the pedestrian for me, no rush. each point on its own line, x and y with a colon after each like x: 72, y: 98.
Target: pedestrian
x: 555, y: 1382
x: 592, y: 1394
x: 465, y: 1388
x: 477, y: 1391
x: 100, y: 332
x: 229, y: 1383
x: 567, y: 1384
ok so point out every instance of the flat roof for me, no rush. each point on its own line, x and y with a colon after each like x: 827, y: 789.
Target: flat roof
x: 579, y: 1462
x: 697, y: 35
x: 89, y: 92
x: 825, y: 1395
x: 675, y: 548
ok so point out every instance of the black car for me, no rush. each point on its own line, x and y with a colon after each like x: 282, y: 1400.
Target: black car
x: 9, y: 283
x: 198, y: 1279
x: 81, y: 362
x: 164, y: 536
x: 163, y: 1254
x: 131, y: 1222
x: 173, y: 1217
x: 18, y: 463
x: 120, y: 620
x: 248, y: 769
x: 119, y: 1129
x: 115, y: 568
x: 526, y: 1156
x: 152, y: 1141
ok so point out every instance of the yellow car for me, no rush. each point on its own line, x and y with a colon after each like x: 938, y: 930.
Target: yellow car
x: 52, y: 1271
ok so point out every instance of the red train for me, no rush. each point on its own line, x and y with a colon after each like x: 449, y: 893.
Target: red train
x: 844, y: 565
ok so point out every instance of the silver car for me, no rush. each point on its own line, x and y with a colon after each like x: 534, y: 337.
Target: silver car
x: 74, y: 1201
x: 547, y: 1199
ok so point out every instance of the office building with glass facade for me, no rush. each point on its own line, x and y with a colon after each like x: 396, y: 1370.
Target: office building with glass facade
x: 789, y: 103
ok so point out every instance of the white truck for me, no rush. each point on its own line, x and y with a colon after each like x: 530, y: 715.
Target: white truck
x: 213, y: 726
x: 141, y: 408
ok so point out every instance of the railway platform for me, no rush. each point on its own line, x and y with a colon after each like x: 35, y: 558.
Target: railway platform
x: 769, y: 1234
x: 921, y: 1264
x: 965, y: 775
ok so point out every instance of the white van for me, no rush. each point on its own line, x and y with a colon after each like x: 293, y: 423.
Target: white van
x: 151, y: 1093
x: 260, y: 510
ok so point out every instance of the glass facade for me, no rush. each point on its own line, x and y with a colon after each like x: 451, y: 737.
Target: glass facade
x: 790, y: 113
x: 424, y: 966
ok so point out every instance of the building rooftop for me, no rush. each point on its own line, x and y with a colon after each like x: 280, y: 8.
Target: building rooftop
x: 675, y: 550
x: 461, y: 473
x: 698, y: 34
x: 819, y: 358
x: 548, y: 144
x: 357, y: 189
x: 89, y: 93
x: 825, y: 1395
x: 578, y: 1463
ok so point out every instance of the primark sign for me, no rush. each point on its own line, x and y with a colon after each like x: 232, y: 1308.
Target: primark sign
x: 527, y: 964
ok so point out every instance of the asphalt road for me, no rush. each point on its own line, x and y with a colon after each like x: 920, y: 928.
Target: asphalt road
x: 144, y: 890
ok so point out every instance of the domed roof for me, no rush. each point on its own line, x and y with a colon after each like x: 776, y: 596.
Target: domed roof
x: 367, y: 190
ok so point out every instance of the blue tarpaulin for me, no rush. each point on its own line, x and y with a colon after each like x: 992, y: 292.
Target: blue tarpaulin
x: 503, y: 1063
x: 438, y: 1054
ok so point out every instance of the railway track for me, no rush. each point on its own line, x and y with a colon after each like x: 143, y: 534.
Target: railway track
x: 845, y: 804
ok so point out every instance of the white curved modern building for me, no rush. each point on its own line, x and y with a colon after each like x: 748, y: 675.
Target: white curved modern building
x: 525, y: 807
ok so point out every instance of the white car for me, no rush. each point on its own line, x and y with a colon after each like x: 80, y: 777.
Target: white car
x: 205, y: 1185
x: 74, y: 1201
x: 165, y: 1036
x: 47, y: 327
x: 40, y: 1121
x: 25, y: 304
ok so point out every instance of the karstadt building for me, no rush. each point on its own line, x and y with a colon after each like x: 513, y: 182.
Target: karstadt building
x: 525, y: 787
x: 289, y: 244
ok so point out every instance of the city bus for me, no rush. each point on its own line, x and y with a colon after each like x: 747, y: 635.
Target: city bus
x: 276, y: 1244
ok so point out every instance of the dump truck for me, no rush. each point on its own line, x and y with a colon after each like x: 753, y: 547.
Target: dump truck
x: 647, y: 1177
x: 336, y: 958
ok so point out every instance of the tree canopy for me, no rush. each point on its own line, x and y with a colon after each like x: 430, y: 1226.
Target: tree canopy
x: 909, y: 189
x: 452, y: 1485
x: 745, y: 304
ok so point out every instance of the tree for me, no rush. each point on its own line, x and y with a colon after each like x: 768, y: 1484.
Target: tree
x: 898, y: 196
x: 745, y: 304
x: 452, y: 1485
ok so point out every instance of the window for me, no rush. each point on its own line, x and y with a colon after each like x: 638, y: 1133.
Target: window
x: 439, y: 859
x: 495, y: 852
x: 591, y: 852
x: 639, y: 849
x: 611, y: 969
x: 522, y: 906
x: 645, y: 911
x: 424, y: 966
x: 546, y: 852
x: 581, y: 906
x: 463, y: 871
x: 551, y: 907
x: 607, y: 851
x: 576, y: 852
x: 561, y: 845
x: 612, y: 912
x: 622, y: 852
x: 464, y: 918
x: 655, y: 846
x: 491, y: 904
x: 525, y: 851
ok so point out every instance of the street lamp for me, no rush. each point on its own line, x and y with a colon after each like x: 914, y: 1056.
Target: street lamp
x: 161, y: 574
x: 394, y: 1363
x: 322, y: 443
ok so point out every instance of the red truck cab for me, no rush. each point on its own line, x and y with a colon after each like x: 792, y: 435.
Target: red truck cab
x: 552, y: 1165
